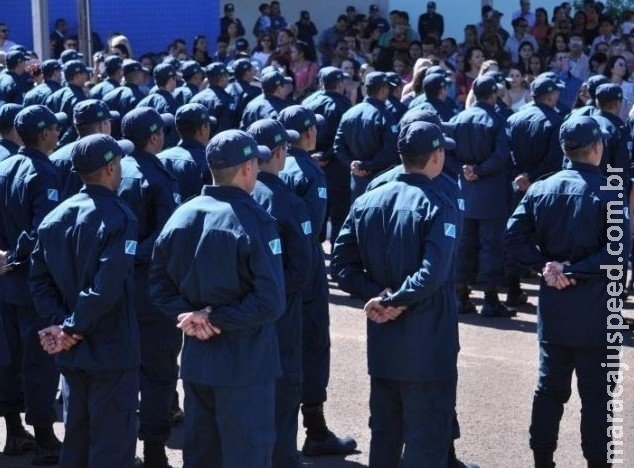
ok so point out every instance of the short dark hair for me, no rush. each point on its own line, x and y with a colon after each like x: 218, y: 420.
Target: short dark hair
x: 416, y: 161
x: 188, y: 130
x: 224, y: 176
x: 87, y: 129
x: 578, y: 154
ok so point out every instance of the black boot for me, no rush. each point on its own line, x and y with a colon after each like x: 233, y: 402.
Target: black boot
x: 154, y: 455
x: 599, y: 464
x: 493, y: 307
x: 515, y: 296
x: 319, y: 440
x: 453, y: 462
x: 47, y: 446
x: 543, y: 459
x: 19, y: 441
x: 465, y: 306
x: 176, y: 413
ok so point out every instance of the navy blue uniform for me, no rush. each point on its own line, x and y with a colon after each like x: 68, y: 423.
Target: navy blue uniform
x: 242, y: 94
x: 41, y: 92
x: 12, y: 88
x: 569, y: 217
x: 152, y: 194
x: 101, y: 89
x: 82, y: 279
x: 223, y: 250
x: 445, y: 110
x: 29, y: 190
x: 164, y: 103
x: 64, y: 100
x: 70, y: 183
x: 187, y: 163
x: 294, y: 226
x: 396, y: 108
x: 7, y: 148
x: 262, y: 107
x: 124, y: 98
x: 219, y: 104
x: 184, y: 94
x: 616, y: 145
x: 411, y: 360
x: 366, y: 133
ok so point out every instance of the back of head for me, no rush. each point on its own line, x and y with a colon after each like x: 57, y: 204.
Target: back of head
x: 577, y: 135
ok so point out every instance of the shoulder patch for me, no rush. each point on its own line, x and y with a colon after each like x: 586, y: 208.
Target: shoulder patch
x: 450, y: 230
x: 394, y: 128
x: 307, y: 228
x: 130, y: 247
x: 53, y: 195
x: 276, y: 246
x: 461, y: 204
x: 177, y: 198
x: 322, y: 192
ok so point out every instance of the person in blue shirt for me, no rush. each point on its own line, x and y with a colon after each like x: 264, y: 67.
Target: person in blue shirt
x: 52, y: 74
x: 401, y: 266
x: 296, y: 235
x: 271, y: 101
x: 394, y: 104
x: 278, y: 22
x: 573, y: 229
x: 217, y: 101
x: 435, y: 97
x: 29, y: 188
x: 125, y: 98
x: 217, y: 270
x: 241, y: 90
x: 12, y: 83
x: 186, y: 161
x: 151, y: 192
x: 10, y: 141
x: 82, y: 283
x: 194, y: 75
x: 111, y: 78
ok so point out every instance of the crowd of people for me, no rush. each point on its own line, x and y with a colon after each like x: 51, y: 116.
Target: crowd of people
x: 190, y: 193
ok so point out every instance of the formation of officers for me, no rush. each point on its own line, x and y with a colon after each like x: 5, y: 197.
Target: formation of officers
x: 129, y: 220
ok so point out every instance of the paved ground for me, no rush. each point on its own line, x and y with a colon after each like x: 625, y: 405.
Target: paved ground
x: 497, y: 368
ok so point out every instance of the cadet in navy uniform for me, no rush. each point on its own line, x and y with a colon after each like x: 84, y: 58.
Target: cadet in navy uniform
x: 217, y: 101
x: 561, y: 230
x: 591, y: 107
x: 294, y: 226
x: 435, y: 97
x: 272, y: 100
x: 332, y: 104
x: 52, y: 74
x: 366, y: 137
x: 482, y: 148
x: 10, y: 141
x: 306, y: 179
x: 394, y: 104
x: 533, y: 134
x: 90, y: 116
x: 194, y: 75
x: 82, y: 282
x: 161, y: 99
x: 217, y: 267
x: 241, y: 90
x: 29, y: 189
x: 187, y: 161
x: 152, y: 193
x: 401, y: 265
x: 12, y: 84
x: 125, y: 98
x: 113, y: 71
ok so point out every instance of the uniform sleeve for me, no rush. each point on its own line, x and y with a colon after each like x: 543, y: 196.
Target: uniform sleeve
x: 519, y: 238
x: 499, y: 158
x: 347, y: 265
x: 438, y: 246
x: 340, y: 146
x: 46, y: 296
x: 297, y: 238
x: 163, y: 205
x: 552, y: 160
x: 387, y: 155
x: 266, y: 301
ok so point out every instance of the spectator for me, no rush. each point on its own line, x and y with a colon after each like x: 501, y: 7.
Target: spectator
x: 519, y: 93
x: 431, y: 23
x: 377, y: 20
x: 306, y: 32
x: 353, y: 49
x: 285, y: 40
x: 494, y: 50
x: 120, y: 45
x: 341, y: 53
x: 470, y: 39
x: 568, y: 95
x: 329, y: 38
x: 351, y: 85
x: 541, y: 27
x: 57, y: 37
x: 520, y: 34
x: 177, y: 47
x: 597, y: 63
x: 559, y: 43
x: 579, y: 23
x: 525, y: 13
x: 278, y: 22
x: 617, y: 72
x: 591, y: 30
x: 449, y: 50
x: 473, y: 59
x: 535, y: 68
x: 199, y: 50
x: 263, y: 49
x: 232, y: 35
x: 263, y: 23
x: 229, y: 17
x: 579, y: 61
x: 606, y: 32
x: 304, y: 70
x: 525, y: 52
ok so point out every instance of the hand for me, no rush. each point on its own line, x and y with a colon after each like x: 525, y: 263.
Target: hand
x: 54, y: 340
x: 523, y: 182
x: 379, y: 313
x: 553, y: 274
x: 197, y: 324
x: 318, y: 158
x: 469, y: 173
x: 4, y: 267
x: 355, y: 169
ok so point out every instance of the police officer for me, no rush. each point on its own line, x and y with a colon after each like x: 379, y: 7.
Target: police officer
x: 187, y: 161
x: 89, y: 116
x: 12, y: 88
x: 533, y: 134
x: 111, y: 79
x: 294, y: 226
x: 10, y: 141
x: 393, y: 103
x: 194, y: 75
x: 217, y: 268
x: 152, y: 193
x: 271, y: 101
x: 501, y: 107
x: 161, y: 99
x: 435, y: 97
x: 82, y: 282
x: 70, y: 54
x: 617, y: 142
x: 29, y: 187
x: 52, y: 74
x: 125, y: 98
x: 592, y: 83
x: 413, y: 375
x: 217, y: 101
x: 306, y: 179
x: 366, y: 137
x: 482, y: 149
x: 330, y: 102
x: 241, y: 90
x: 547, y: 234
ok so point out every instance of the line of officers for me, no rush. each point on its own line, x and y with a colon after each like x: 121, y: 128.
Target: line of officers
x: 244, y: 276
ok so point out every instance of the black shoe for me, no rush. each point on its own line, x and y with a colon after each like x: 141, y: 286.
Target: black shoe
x: 516, y: 298
x: 154, y: 455
x: 543, y: 459
x: 461, y: 464
x: 18, y: 444
x: 45, y: 456
x: 176, y: 416
x: 599, y: 464
x: 331, y: 445
x: 466, y: 307
x: 496, y: 309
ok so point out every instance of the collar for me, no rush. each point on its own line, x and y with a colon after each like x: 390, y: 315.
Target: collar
x: 99, y: 190
x: 413, y: 178
x: 584, y: 167
x: 190, y: 143
x: 32, y: 153
x: 224, y: 191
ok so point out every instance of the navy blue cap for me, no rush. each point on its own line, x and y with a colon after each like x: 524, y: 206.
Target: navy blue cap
x: 194, y: 113
x: 8, y: 113
x: 299, y: 118
x: 434, y: 83
x: 19, y: 48
x: 484, y: 86
x: 113, y: 63
x: 91, y: 111
x: 190, y: 68
x: 70, y: 54
x: 229, y: 7
x: 579, y: 131
x: 215, y: 69
x: 374, y: 7
x: 271, y: 133
x: 242, y: 65
x: 543, y: 85
x: 420, y: 138
x: 13, y: 58
x: 594, y: 82
x: 553, y: 76
x: 34, y: 119
x: 241, y: 44
x: 420, y: 115
x: 437, y: 69
x: 609, y: 92
x: 74, y: 67
x: 271, y: 68
x: 50, y: 66
x: 94, y: 151
x: 173, y: 61
x: 329, y: 75
x: 140, y: 123
x: 131, y: 66
x: 273, y: 79
x: 394, y: 79
x: 163, y: 72
x: 232, y: 148
x: 376, y: 78
x: 498, y: 76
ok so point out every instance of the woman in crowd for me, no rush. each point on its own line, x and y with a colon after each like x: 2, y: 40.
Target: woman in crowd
x: 473, y: 60
x: 525, y: 52
x: 535, y: 68
x: 519, y: 93
x: 470, y: 39
x: 199, y: 52
x: 305, y: 70
x: 617, y: 72
x: 352, y: 85
x: 263, y: 49
x: 541, y: 27
x: 494, y: 50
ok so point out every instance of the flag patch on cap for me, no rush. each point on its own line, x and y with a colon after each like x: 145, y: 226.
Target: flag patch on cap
x: 53, y: 195
x: 247, y: 151
x: 322, y: 192
x: 108, y: 156
x: 307, y: 228
x: 450, y: 230
x: 130, y: 247
x: 177, y: 198
x: 276, y: 246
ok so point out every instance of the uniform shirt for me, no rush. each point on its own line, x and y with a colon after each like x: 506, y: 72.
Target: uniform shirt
x: 223, y: 250
x: 411, y: 253
x: 565, y: 218
x: 367, y: 133
x: 481, y: 141
x: 445, y: 110
x: 7, y: 148
x: 101, y: 89
x: 41, y: 92
x: 81, y: 277
x: 70, y: 183
x: 219, y: 104
x: 332, y: 106
x: 29, y: 189
x: 124, y: 98
x: 533, y: 134
x: 64, y: 100
x: 396, y: 108
x: 187, y: 163
x: 11, y: 88
x: 164, y: 103
x: 184, y: 94
x: 616, y: 144
x: 262, y: 107
x: 242, y: 94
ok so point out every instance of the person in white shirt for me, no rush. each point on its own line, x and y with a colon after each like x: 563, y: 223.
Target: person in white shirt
x: 5, y: 43
x: 579, y: 61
